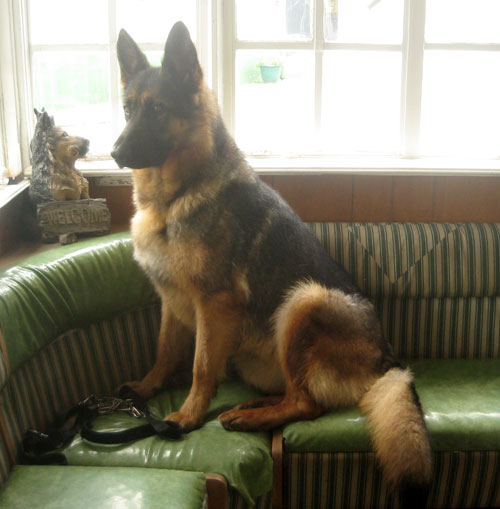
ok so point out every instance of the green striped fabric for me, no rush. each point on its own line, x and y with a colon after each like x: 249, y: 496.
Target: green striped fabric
x: 353, y: 480
x: 417, y: 259
x: 442, y: 328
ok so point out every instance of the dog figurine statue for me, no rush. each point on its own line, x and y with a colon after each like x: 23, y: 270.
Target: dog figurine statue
x: 53, y: 156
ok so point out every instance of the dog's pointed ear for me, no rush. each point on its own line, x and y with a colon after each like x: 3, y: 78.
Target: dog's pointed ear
x: 130, y: 57
x: 180, y: 61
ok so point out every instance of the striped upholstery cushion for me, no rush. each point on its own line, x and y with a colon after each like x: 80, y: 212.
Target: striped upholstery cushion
x: 417, y: 259
x: 442, y: 328
x: 352, y: 480
x: 436, y: 286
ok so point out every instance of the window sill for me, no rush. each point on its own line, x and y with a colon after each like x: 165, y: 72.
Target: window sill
x: 386, y: 166
x: 8, y: 193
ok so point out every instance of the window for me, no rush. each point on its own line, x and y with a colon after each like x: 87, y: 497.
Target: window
x: 397, y: 77
x: 340, y: 83
x: 294, y: 78
x: 461, y: 78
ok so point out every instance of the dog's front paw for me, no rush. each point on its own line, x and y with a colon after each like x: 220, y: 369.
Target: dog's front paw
x: 144, y: 390
x: 186, y: 421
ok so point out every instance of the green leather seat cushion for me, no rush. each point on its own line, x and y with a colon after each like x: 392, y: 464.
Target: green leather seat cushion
x: 242, y: 458
x: 461, y: 402
x: 63, y: 487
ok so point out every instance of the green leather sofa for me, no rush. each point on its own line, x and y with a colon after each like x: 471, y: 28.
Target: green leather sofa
x: 82, y: 319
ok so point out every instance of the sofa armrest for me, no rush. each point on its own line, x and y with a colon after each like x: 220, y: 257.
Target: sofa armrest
x: 67, y: 288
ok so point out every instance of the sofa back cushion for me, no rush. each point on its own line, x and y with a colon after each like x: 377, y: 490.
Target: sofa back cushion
x: 436, y: 286
x: 417, y: 259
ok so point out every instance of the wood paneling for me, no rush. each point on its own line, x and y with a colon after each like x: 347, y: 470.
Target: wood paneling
x: 459, y: 200
x: 372, y: 198
x: 119, y: 199
x: 412, y: 199
x: 364, y: 198
x: 317, y: 197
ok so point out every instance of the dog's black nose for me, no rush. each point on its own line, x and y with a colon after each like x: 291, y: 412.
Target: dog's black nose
x: 114, y: 155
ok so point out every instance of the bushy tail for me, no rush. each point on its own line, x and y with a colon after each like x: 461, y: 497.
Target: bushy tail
x: 399, y: 435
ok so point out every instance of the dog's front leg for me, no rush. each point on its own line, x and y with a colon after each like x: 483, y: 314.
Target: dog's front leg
x: 173, y: 343
x: 217, y: 322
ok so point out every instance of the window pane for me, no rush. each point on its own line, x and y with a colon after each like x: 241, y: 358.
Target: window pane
x: 361, y: 102
x: 68, y: 21
x: 276, y: 20
x: 462, y: 21
x: 74, y: 87
x: 461, y: 103
x: 151, y: 20
x: 275, y: 117
x: 368, y: 21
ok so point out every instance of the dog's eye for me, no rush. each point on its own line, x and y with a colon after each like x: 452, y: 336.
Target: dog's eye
x: 126, y: 110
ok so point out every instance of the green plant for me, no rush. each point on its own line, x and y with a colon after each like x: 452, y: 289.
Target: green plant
x: 271, y: 62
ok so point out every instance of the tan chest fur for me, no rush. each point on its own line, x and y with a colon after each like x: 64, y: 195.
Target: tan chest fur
x: 169, y: 262
x: 172, y: 265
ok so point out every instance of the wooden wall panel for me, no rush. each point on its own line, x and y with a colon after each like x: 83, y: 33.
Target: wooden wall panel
x: 459, y: 199
x: 119, y: 200
x: 268, y: 179
x: 319, y: 197
x: 412, y: 199
x: 372, y: 198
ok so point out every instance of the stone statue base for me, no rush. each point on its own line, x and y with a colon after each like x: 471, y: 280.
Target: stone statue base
x: 64, y: 221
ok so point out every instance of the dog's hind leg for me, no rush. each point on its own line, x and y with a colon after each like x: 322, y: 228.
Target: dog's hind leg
x: 328, y: 352
x: 260, y: 402
x: 295, y: 406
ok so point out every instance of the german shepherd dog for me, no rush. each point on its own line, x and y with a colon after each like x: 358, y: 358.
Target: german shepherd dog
x: 239, y: 272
